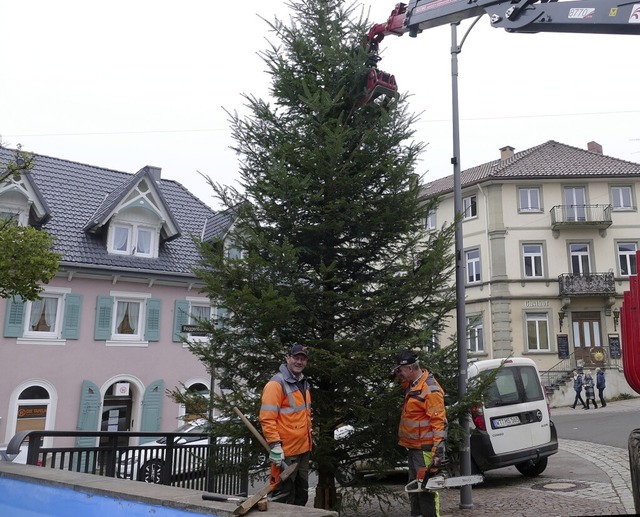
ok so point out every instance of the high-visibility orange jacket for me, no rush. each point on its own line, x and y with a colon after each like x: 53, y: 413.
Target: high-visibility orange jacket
x: 285, y: 414
x: 424, y: 419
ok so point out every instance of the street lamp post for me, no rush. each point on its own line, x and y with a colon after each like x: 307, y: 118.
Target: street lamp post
x: 466, y: 498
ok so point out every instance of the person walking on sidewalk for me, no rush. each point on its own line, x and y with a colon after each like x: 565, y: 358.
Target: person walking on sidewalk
x: 423, y: 427
x: 600, y: 384
x: 285, y: 417
x: 589, y: 391
x: 577, y: 386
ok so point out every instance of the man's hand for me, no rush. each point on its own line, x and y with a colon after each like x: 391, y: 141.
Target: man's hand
x: 276, y: 455
x: 437, y: 457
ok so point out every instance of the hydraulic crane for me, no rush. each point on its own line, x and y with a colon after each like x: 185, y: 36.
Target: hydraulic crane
x: 529, y: 16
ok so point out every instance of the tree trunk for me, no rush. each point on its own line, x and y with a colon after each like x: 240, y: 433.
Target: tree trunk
x: 327, y: 497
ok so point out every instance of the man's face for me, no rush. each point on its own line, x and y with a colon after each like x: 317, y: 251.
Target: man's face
x: 297, y: 363
x: 404, y: 373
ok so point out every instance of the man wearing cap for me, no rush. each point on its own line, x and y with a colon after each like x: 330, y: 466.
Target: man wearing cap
x: 423, y: 427
x: 285, y: 417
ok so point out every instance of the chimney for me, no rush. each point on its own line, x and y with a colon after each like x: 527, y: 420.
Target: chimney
x: 594, y: 147
x: 154, y: 172
x: 506, y: 152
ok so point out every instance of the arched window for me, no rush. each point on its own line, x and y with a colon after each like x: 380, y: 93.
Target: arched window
x: 33, y: 406
x: 197, y: 404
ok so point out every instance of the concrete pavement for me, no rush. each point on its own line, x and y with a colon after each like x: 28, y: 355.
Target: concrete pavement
x: 582, y: 479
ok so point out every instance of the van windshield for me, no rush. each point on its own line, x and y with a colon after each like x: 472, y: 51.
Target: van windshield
x: 514, y: 385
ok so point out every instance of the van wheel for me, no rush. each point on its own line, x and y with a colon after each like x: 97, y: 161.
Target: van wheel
x: 532, y: 468
x: 151, y: 472
x: 347, y: 474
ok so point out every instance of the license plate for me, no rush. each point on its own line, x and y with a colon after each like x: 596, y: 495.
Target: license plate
x: 507, y: 421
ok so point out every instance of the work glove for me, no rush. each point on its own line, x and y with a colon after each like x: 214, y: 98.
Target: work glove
x: 276, y: 454
x: 436, y: 458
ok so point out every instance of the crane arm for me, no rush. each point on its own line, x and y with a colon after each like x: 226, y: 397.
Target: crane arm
x: 528, y: 16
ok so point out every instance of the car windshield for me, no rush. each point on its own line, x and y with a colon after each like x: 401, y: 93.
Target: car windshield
x: 187, y: 428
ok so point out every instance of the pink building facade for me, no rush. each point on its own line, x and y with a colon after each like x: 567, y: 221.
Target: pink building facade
x: 103, y: 345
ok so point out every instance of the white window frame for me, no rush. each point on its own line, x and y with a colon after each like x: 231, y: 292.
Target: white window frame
x: 618, y: 198
x: 430, y: 222
x: 197, y: 302
x: 580, y: 255
x: 537, y: 319
x: 470, y: 207
x: 133, y: 234
x: 533, y: 259
x: 628, y: 256
x: 136, y: 339
x: 473, y: 266
x: 475, y: 334
x: 53, y: 337
x: 15, y: 401
x: 530, y: 206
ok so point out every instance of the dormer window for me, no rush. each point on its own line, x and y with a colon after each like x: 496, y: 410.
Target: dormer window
x: 15, y: 208
x: 133, y: 239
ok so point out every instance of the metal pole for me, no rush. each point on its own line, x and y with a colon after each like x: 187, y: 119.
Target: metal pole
x: 466, y: 498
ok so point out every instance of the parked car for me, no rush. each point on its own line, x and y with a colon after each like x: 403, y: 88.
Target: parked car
x: 513, y: 426
x: 147, y: 461
x: 350, y: 472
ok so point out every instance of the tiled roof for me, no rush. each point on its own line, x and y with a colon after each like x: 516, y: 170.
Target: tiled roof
x: 217, y: 225
x: 74, y: 192
x: 551, y: 160
x: 112, y: 200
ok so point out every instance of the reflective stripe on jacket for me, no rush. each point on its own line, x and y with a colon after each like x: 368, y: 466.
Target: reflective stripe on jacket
x: 424, y: 419
x: 285, y: 414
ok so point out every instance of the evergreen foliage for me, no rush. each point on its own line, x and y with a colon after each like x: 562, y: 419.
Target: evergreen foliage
x: 328, y: 246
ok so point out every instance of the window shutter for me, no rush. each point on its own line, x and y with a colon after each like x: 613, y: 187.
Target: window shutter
x: 152, y: 409
x: 152, y: 328
x: 88, y: 414
x: 104, y: 310
x: 180, y: 317
x: 72, y: 311
x: 14, y: 320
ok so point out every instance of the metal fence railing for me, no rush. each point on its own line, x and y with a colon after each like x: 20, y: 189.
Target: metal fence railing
x: 186, y: 460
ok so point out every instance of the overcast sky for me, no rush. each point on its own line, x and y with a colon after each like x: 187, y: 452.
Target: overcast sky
x: 124, y: 84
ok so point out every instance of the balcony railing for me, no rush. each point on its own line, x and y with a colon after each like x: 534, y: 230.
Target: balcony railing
x: 597, y: 216
x: 587, y: 285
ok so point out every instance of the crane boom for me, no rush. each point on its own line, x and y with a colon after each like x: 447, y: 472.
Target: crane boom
x: 527, y: 16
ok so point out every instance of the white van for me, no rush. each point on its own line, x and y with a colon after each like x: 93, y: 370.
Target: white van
x: 513, y: 427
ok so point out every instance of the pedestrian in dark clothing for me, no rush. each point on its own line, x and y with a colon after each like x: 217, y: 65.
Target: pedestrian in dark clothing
x: 600, y: 384
x: 589, y: 390
x: 577, y: 386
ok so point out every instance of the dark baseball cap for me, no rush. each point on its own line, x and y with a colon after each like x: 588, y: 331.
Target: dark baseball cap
x: 297, y: 348
x: 406, y: 357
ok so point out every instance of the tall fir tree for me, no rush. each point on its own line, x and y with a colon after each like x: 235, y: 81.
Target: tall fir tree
x: 327, y: 246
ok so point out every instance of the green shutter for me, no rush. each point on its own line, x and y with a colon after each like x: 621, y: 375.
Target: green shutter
x: 152, y: 409
x: 152, y: 327
x: 72, y: 312
x: 180, y: 317
x: 88, y: 414
x: 14, y: 320
x: 104, y: 310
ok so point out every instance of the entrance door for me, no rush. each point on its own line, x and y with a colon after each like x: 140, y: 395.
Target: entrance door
x: 116, y: 416
x: 587, y: 339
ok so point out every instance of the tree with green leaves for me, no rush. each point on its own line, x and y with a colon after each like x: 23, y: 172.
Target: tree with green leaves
x: 27, y: 260
x: 327, y: 247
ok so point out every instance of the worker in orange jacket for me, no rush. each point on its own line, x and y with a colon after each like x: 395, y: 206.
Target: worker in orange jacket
x: 423, y: 427
x: 285, y: 417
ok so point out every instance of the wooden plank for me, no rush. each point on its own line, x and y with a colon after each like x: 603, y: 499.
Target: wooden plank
x: 253, y: 500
